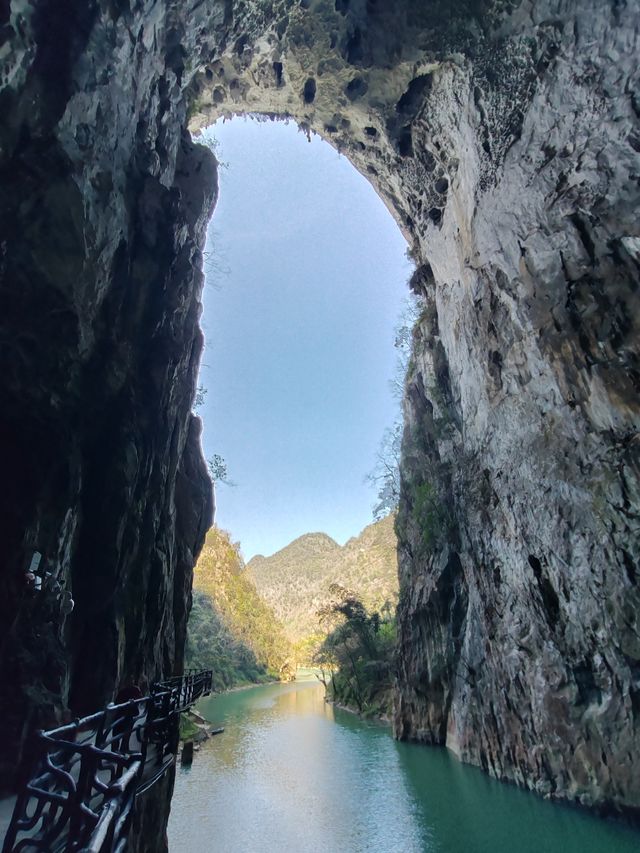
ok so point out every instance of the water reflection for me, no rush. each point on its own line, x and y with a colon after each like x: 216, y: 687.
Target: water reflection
x: 290, y: 773
x: 250, y: 716
x: 284, y: 776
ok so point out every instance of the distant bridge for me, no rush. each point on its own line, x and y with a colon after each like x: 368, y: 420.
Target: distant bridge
x: 87, y: 774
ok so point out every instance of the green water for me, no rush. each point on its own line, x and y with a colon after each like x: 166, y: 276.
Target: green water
x: 291, y: 773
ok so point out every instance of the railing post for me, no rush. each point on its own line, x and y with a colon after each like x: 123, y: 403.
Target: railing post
x: 78, y: 824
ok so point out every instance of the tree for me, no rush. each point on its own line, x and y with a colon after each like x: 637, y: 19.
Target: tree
x: 325, y: 660
x: 385, y: 475
x: 357, y: 652
x: 218, y: 470
x: 198, y: 400
x: 403, y: 341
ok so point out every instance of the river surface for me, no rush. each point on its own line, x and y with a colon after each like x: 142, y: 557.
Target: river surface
x: 292, y: 773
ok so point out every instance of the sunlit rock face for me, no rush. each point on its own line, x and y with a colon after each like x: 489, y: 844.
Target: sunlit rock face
x: 504, y: 139
x: 520, y: 613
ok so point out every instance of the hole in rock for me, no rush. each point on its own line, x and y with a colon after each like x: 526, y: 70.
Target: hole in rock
x: 428, y: 160
x: 630, y: 567
x: 240, y: 44
x: 405, y: 142
x: 354, y: 51
x: 413, y: 98
x: 356, y: 88
x: 309, y: 93
x: 441, y: 186
x: 299, y: 335
x: 549, y: 596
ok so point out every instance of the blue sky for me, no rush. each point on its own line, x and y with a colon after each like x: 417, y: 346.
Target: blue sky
x: 306, y: 279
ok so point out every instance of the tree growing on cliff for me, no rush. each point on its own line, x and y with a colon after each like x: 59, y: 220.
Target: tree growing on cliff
x: 218, y: 470
x: 385, y: 475
x: 198, y: 400
x: 357, y: 653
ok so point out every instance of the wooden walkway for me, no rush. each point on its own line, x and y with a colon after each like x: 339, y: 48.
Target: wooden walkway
x: 81, y: 794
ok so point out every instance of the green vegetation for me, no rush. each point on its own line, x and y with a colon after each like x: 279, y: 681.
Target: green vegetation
x: 231, y: 629
x: 218, y: 470
x: 385, y: 475
x: 188, y: 729
x: 428, y: 513
x: 356, y: 658
x: 432, y: 514
x: 306, y: 648
x: 295, y: 580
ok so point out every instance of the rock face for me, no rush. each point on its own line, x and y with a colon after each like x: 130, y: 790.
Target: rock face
x: 103, y: 204
x: 520, y: 618
x: 504, y: 138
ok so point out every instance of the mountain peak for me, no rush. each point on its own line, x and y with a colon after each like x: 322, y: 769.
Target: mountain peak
x: 295, y: 580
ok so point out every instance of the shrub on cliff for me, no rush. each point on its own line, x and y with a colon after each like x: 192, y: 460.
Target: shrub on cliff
x: 358, y: 652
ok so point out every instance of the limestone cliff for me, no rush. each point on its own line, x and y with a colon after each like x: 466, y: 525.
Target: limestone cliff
x: 103, y: 204
x: 520, y: 606
x: 504, y: 137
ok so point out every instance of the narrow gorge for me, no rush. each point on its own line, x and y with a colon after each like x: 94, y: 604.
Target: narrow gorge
x: 504, y: 137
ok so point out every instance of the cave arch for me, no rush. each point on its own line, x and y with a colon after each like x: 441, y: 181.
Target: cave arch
x: 306, y: 311
x: 505, y: 140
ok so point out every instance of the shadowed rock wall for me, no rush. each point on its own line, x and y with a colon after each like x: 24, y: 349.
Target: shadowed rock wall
x: 103, y: 205
x: 504, y: 138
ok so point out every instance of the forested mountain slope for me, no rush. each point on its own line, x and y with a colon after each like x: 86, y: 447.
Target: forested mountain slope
x: 295, y: 580
x: 231, y: 630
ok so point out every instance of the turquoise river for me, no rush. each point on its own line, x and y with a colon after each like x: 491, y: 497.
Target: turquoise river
x: 291, y: 773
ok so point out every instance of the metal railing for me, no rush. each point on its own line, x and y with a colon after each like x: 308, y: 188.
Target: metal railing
x: 80, y: 796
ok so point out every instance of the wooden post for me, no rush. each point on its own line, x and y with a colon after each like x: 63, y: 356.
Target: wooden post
x: 187, y: 753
